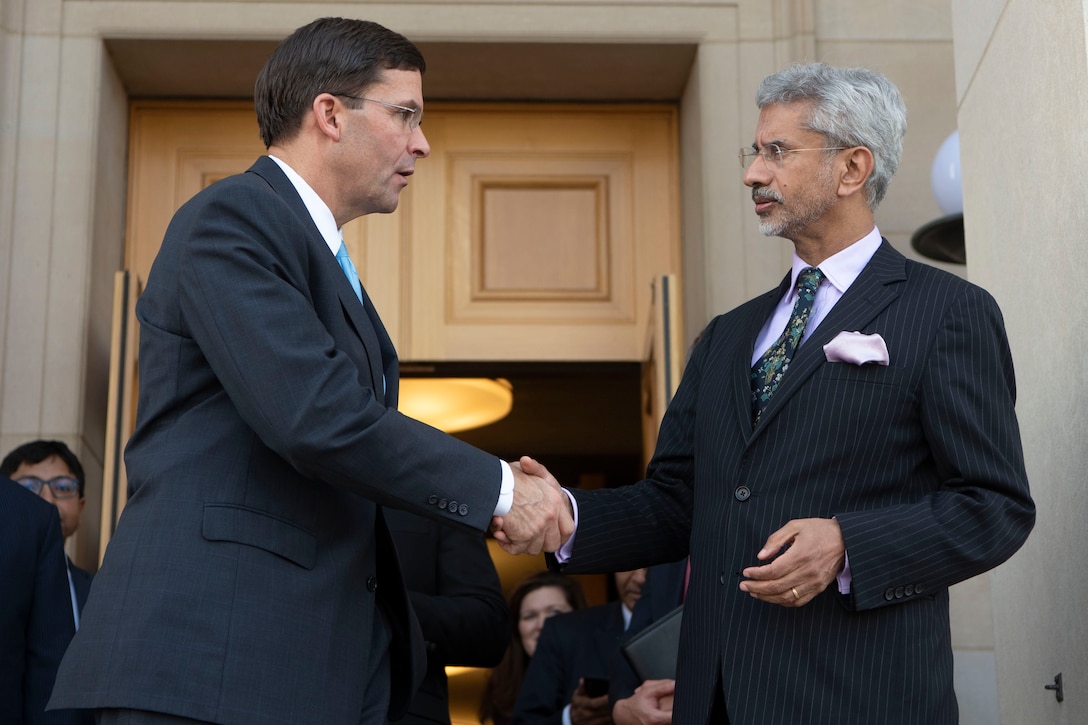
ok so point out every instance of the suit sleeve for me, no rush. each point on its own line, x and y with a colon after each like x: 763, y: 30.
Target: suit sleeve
x: 628, y: 527
x: 248, y: 301
x: 982, y: 511
x: 50, y: 628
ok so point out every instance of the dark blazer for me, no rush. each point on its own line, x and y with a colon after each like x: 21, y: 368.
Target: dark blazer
x: 81, y: 582
x: 252, y: 562
x: 571, y: 646
x: 456, y: 594
x: 662, y: 593
x: 36, y: 622
x: 920, y: 461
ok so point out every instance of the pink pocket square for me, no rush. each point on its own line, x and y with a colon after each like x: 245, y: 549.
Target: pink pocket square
x: 856, y: 348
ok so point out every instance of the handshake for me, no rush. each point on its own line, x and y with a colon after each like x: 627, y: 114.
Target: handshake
x: 541, y: 517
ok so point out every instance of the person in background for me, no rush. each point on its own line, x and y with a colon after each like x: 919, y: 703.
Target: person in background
x: 566, y: 681
x: 51, y: 470
x: 535, y: 599
x: 36, y: 621
x: 457, y: 597
x: 633, y: 701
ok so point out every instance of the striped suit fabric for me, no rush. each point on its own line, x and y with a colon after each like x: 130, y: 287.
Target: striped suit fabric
x: 920, y: 461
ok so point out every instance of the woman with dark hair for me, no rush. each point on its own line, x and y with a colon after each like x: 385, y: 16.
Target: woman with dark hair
x: 536, y: 598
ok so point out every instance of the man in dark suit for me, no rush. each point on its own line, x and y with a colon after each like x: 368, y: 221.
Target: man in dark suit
x: 633, y: 704
x: 35, y: 610
x: 828, y: 494
x: 574, y: 651
x: 50, y: 469
x: 457, y: 596
x: 252, y: 577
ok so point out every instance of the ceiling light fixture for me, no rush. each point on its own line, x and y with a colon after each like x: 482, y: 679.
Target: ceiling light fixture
x: 456, y: 404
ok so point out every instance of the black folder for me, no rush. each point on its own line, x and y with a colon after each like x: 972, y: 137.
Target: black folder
x: 652, y: 652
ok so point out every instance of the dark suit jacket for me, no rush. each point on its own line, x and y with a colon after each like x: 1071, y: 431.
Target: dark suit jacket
x: 36, y: 622
x: 920, y: 461
x: 571, y: 646
x: 662, y: 593
x: 456, y: 594
x: 81, y: 582
x: 250, y: 565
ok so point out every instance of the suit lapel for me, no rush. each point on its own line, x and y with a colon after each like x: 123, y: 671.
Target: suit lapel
x: 871, y: 292
x: 381, y: 356
x: 741, y: 368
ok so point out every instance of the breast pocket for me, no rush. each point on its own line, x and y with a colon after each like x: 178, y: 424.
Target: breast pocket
x: 871, y: 374
x: 251, y: 527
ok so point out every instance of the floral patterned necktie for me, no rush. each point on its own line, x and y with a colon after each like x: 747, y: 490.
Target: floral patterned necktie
x: 768, y: 371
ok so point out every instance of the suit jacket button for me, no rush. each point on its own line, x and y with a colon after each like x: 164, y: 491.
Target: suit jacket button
x: 442, y: 503
x: 909, y: 590
x: 899, y: 592
x: 371, y: 583
x: 889, y: 594
x: 452, y: 507
x: 432, y: 500
x: 743, y: 493
x: 463, y: 510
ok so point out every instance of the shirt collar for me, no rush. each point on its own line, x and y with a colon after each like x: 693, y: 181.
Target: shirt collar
x: 319, y: 210
x: 843, y: 268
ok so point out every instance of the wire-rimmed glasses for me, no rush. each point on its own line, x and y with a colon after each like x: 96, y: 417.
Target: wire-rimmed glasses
x: 412, y: 116
x: 772, y: 153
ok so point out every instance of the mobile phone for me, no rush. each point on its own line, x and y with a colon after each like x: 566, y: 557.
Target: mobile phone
x: 595, y: 686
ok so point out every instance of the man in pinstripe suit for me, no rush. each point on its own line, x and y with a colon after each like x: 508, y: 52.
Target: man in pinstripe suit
x: 883, y: 467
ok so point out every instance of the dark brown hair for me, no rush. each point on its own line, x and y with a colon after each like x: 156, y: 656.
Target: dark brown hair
x: 36, y: 452
x: 330, y: 55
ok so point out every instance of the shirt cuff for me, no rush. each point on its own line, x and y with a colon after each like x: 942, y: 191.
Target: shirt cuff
x: 844, y: 578
x: 566, y: 551
x: 506, y: 490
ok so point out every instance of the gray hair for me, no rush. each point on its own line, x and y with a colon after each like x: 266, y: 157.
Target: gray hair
x: 851, y: 107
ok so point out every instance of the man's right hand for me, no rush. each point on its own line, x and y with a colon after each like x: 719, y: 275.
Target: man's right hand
x: 650, y: 705
x: 586, y: 710
x: 540, y: 518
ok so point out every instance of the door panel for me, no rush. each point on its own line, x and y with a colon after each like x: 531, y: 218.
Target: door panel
x: 537, y: 231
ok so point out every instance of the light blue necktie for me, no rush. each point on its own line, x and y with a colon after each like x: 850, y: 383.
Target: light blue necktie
x: 349, y: 269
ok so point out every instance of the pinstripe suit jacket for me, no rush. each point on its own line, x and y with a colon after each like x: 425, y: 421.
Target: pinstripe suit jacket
x: 248, y: 568
x: 920, y: 461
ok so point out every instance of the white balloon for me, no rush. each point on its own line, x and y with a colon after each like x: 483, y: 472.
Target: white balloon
x: 944, y: 176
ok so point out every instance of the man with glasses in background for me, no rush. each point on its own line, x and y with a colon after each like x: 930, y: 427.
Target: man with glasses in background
x: 51, y: 470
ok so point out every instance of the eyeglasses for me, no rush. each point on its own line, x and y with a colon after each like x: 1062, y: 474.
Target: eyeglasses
x: 412, y: 116
x: 772, y: 153
x: 61, y: 486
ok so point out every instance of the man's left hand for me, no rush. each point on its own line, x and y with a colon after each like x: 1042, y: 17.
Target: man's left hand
x: 814, y: 554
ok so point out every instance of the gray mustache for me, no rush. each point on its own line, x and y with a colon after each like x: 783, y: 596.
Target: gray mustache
x: 765, y: 195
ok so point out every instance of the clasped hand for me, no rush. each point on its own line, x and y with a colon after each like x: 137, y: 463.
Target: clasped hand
x: 541, y: 517
x: 802, y: 558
